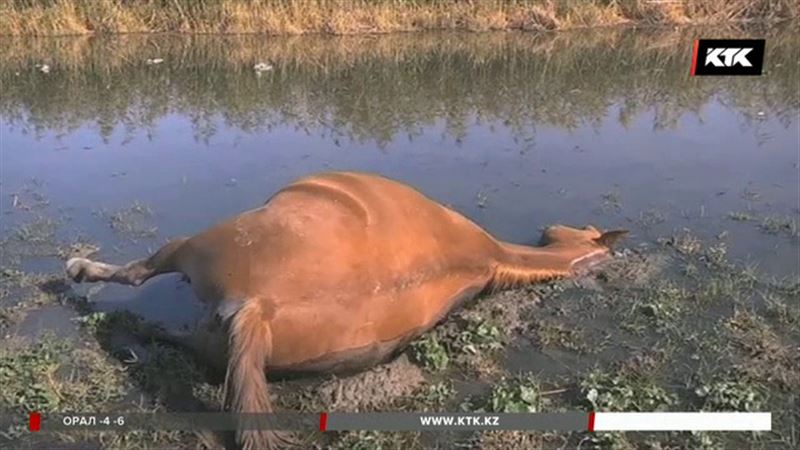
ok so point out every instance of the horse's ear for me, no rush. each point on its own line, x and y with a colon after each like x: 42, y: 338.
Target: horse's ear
x: 610, y: 238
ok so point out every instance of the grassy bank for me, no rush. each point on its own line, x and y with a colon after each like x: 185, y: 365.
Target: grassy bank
x: 62, y: 17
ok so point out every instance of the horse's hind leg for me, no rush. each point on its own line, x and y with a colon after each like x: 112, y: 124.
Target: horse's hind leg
x: 133, y: 273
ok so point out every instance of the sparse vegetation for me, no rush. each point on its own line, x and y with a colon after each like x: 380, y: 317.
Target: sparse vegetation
x: 778, y: 308
x: 32, y: 376
x: 717, y: 253
x: 133, y: 222
x: 32, y: 238
x: 469, y: 341
x: 477, y: 335
x: 430, y: 353
x: 751, y: 195
x: 435, y: 396
x: 516, y: 395
x: 764, y: 354
x: 656, y: 307
x: 39, y: 231
x: 741, y: 216
x: 558, y: 334
x: 103, y: 324
x: 481, y: 199
x: 651, y: 217
x: 605, y: 391
x: 611, y: 201
x: 684, y: 242
x: 780, y: 224
x: 733, y: 394
x: 611, y: 441
x: 374, y: 440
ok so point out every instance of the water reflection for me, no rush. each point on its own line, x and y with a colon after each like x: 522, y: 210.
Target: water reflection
x: 365, y: 89
x: 515, y: 130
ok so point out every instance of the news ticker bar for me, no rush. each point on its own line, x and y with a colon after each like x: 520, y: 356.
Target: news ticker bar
x: 408, y: 421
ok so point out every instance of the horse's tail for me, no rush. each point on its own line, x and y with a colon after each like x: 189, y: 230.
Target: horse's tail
x: 245, y: 382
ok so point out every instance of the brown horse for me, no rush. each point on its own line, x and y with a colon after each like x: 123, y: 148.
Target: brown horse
x: 338, y: 271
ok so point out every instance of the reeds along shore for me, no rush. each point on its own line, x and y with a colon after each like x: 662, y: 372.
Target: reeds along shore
x: 64, y: 17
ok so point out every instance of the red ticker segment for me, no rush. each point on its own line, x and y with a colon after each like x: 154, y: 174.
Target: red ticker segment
x: 34, y: 421
x: 323, y: 421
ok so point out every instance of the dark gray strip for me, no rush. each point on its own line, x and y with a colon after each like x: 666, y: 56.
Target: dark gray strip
x: 384, y: 421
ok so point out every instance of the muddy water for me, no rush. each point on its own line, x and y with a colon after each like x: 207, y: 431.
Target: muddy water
x: 516, y: 131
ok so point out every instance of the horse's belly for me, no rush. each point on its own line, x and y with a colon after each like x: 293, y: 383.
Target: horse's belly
x: 340, y: 336
x: 345, y: 361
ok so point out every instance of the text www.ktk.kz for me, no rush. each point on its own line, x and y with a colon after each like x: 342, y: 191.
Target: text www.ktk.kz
x: 460, y: 421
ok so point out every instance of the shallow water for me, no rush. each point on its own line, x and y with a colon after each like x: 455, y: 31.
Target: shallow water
x: 516, y: 131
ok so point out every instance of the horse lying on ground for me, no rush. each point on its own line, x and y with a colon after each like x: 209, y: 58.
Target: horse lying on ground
x: 338, y: 271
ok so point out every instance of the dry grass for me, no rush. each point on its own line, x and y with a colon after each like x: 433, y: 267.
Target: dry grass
x: 766, y: 354
x: 64, y: 17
